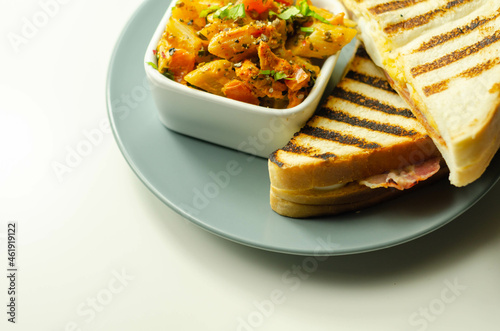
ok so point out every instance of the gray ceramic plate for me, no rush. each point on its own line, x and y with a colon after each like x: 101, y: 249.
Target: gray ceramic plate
x: 227, y: 192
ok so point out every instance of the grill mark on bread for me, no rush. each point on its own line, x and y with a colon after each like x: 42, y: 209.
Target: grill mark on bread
x: 436, y: 88
x: 324, y: 156
x: 364, y: 123
x: 297, y: 149
x: 424, y: 18
x: 480, y: 68
x: 291, y: 147
x: 368, y: 102
x: 393, y: 5
x: 457, y: 32
x: 361, y: 52
x: 456, y: 55
x: 338, y: 137
x: 274, y: 159
x: 370, y: 80
x: 469, y: 73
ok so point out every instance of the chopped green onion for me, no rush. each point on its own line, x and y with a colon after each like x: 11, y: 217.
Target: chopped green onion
x: 307, y: 29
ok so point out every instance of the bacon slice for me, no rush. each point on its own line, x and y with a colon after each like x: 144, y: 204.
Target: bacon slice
x: 405, y: 178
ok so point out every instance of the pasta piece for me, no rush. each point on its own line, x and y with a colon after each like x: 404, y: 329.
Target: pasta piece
x: 262, y: 85
x: 325, y: 40
x: 182, y: 36
x: 180, y: 64
x: 212, y: 76
x: 295, y: 98
x: 312, y: 69
x: 241, y: 91
x: 241, y: 43
x: 188, y: 12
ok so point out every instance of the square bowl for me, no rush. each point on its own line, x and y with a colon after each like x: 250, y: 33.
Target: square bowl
x: 238, y: 125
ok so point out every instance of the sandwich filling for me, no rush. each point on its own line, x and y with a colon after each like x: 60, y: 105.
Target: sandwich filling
x: 405, y: 178
x: 401, y: 179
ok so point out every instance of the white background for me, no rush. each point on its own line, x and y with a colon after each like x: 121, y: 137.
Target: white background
x: 97, y: 251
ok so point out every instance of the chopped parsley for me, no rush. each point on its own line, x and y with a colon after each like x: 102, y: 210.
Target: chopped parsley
x: 230, y: 12
x: 208, y: 11
x: 302, y: 9
x: 286, y: 14
x: 277, y: 75
x: 305, y: 10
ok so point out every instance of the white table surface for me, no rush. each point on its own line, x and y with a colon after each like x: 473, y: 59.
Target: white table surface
x: 98, y: 251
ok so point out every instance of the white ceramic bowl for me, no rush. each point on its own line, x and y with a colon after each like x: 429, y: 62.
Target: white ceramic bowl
x: 248, y: 128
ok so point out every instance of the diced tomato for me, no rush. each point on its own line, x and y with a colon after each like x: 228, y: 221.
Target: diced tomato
x: 286, y: 2
x: 260, y: 6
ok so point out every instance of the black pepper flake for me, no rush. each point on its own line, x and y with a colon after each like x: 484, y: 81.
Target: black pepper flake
x: 190, y: 22
x: 328, y: 37
x: 171, y: 51
x: 201, y: 36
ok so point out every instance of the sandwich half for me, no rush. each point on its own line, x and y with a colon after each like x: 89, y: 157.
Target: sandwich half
x: 361, y: 147
x: 443, y: 58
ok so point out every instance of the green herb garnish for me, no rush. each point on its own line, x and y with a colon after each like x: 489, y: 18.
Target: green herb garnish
x: 305, y: 10
x: 277, y: 75
x: 286, y: 14
x: 230, y: 12
x: 153, y: 65
x: 307, y: 29
x: 208, y: 11
x: 169, y: 75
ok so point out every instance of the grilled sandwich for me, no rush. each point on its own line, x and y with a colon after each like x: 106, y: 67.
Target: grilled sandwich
x: 362, y: 146
x: 443, y: 58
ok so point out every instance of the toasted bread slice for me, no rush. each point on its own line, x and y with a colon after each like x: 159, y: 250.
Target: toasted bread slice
x: 364, y: 129
x: 443, y: 57
x: 302, y: 210
x: 352, y: 197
